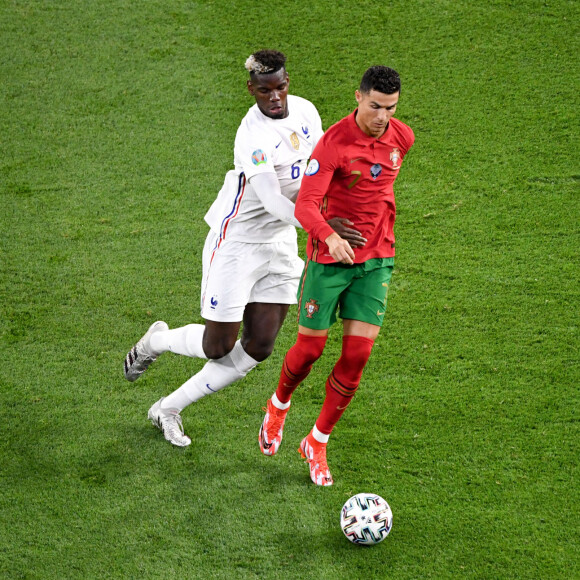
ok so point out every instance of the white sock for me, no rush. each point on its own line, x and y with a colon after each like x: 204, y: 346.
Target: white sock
x: 214, y: 376
x: 319, y: 435
x: 186, y: 340
x: 276, y: 402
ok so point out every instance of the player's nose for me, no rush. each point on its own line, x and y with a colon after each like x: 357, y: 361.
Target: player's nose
x: 383, y: 115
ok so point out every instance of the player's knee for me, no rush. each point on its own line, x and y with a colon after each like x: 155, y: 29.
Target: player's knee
x: 355, y: 354
x: 215, y: 348
x: 258, y: 349
x: 307, y: 349
x: 260, y: 352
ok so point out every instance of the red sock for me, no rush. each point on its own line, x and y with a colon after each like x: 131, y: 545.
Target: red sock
x: 344, y: 380
x: 298, y: 363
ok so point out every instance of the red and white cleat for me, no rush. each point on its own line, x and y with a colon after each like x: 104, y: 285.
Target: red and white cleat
x: 315, y: 455
x: 272, y: 428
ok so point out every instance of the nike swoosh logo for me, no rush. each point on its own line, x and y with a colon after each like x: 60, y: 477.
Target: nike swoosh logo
x: 278, y: 144
x: 379, y: 313
x: 355, y: 159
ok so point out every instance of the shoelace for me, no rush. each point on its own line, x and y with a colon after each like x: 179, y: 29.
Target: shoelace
x: 145, y: 358
x: 174, y: 425
x: 318, y: 460
x: 276, y: 419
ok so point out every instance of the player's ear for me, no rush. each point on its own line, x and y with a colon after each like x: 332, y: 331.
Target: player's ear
x: 250, y: 87
x: 358, y: 96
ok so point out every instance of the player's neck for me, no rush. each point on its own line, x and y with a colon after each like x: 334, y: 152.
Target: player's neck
x: 366, y: 129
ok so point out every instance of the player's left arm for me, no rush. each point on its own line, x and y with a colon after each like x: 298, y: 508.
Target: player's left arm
x: 342, y: 227
x: 317, y: 131
x: 408, y: 138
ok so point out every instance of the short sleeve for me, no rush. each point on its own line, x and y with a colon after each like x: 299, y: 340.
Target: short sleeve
x: 253, y: 150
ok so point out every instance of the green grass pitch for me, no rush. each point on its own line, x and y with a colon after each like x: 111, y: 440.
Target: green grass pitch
x: 117, y: 122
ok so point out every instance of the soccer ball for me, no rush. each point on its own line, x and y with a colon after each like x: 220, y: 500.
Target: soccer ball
x: 366, y: 519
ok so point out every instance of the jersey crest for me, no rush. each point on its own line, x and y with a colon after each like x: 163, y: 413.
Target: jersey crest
x: 294, y: 140
x: 395, y: 157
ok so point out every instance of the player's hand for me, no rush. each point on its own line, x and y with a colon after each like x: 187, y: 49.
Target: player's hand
x: 352, y: 236
x: 339, y: 249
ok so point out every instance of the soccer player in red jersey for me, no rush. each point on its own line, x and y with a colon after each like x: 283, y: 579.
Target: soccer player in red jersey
x: 350, y: 174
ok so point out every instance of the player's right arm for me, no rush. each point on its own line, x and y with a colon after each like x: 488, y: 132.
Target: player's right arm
x: 267, y: 188
x: 313, y: 188
x: 339, y: 249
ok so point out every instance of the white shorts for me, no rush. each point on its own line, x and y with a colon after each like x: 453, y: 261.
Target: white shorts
x: 236, y: 273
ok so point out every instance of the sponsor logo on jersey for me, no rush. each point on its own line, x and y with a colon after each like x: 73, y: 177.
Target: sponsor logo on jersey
x: 294, y: 140
x: 395, y: 157
x: 259, y: 157
x: 313, y: 167
x: 311, y: 308
x: 376, y: 170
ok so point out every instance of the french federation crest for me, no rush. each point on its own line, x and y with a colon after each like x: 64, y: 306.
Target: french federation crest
x: 395, y: 157
x: 294, y: 140
x: 376, y: 170
x: 311, y: 308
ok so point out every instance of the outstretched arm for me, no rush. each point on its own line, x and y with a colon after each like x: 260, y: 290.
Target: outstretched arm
x: 267, y: 188
x: 352, y: 236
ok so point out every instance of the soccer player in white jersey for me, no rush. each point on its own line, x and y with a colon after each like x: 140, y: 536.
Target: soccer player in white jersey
x: 251, y: 267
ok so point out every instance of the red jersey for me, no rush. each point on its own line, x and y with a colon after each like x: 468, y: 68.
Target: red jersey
x: 351, y: 175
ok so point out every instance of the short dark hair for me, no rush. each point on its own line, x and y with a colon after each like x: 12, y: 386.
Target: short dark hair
x: 382, y: 79
x: 265, y: 62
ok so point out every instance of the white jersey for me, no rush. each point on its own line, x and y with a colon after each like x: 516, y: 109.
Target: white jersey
x: 265, y: 145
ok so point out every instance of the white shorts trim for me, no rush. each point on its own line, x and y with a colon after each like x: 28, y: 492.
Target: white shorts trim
x: 237, y: 273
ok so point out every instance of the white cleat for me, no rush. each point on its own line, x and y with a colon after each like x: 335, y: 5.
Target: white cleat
x: 141, y: 355
x: 169, y: 422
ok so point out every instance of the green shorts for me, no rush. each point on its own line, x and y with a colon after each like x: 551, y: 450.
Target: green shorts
x: 358, y: 292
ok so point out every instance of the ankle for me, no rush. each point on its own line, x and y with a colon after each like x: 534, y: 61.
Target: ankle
x: 318, y: 437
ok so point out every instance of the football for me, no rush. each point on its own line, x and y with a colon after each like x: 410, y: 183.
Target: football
x: 366, y: 519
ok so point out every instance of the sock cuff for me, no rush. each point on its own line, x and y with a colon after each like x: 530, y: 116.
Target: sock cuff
x: 243, y: 362
x: 353, y: 338
x: 319, y: 436
x: 279, y: 404
x: 312, y: 339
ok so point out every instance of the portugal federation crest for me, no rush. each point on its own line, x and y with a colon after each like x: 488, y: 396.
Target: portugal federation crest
x: 395, y: 157
x: 311, y: 308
